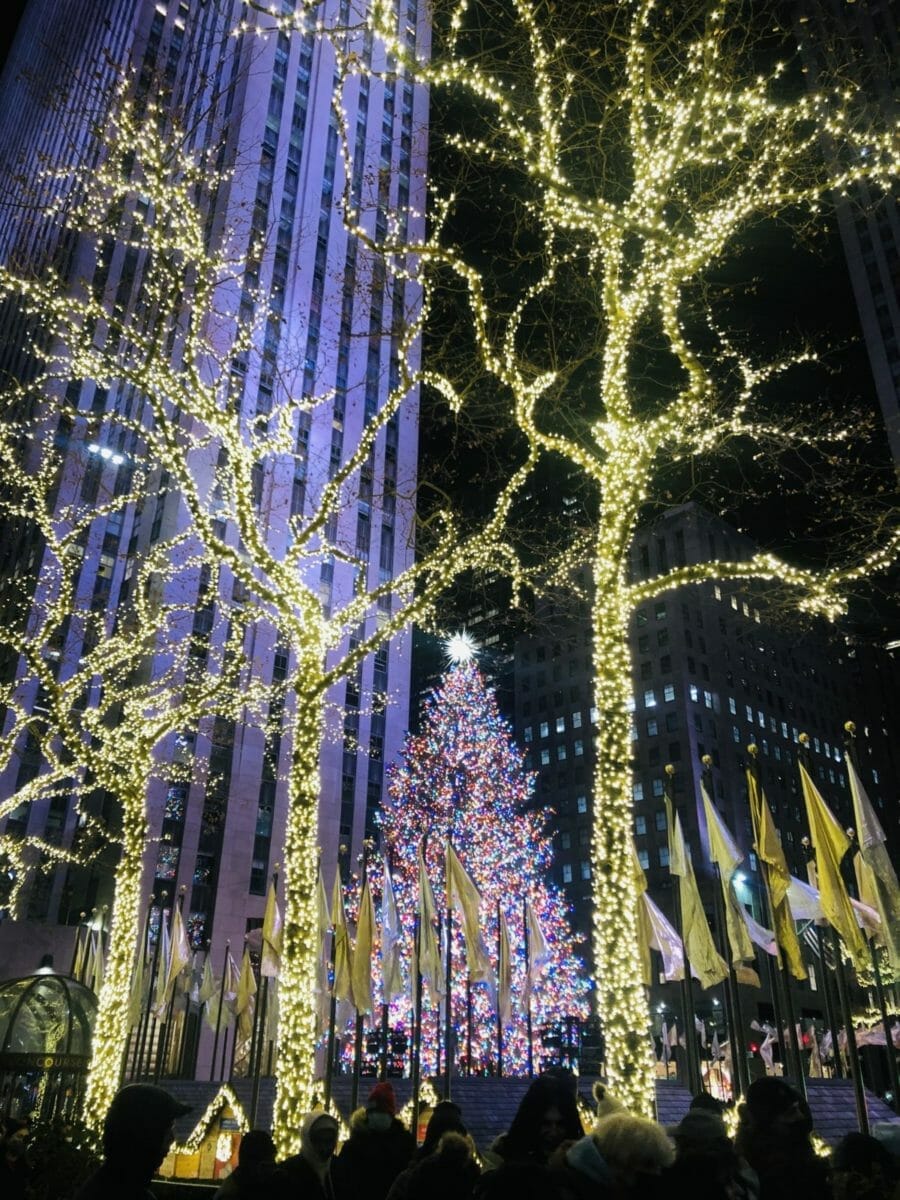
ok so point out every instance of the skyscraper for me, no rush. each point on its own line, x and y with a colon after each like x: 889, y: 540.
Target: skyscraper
x: 259, y: 109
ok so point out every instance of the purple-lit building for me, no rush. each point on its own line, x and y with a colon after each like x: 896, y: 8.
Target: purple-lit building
x: 262, y: 106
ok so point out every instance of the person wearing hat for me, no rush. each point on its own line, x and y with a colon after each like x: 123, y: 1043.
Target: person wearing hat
x: 309, y: 1174
x: 775, y: 1137
x: 706, y: 1166
x: 445, y: 1163
x: 378, y: 1149
x: 137, y: 1134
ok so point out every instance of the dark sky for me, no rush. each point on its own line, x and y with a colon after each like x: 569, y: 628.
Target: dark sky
x: 9, y: 19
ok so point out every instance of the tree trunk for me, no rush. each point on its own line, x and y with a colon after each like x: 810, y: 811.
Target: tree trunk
x: 295, y: 1062
x: 622, y: 1000
x: 112, y: 1027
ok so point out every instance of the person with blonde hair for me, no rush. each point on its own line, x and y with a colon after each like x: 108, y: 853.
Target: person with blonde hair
x: 622, y: 1157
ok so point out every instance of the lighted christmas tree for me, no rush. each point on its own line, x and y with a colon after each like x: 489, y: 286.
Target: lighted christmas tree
x: 464, y: 777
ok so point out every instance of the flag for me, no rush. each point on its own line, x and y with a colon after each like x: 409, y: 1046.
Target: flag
x: 664, y: 938
x: 673, y: 1034
x: 228, y: 992
x: 429, y: 959
x: 160, y: 998
x: 272, y: 936
x: 723, y: 851
x: 98, y: 962
x: 78, y: 960
x: 463, y: 896
x: 504, y: 972
x: 340, y: 986
x: 138, y: 987
x: 391, y: 975
x: 777, y: 878
x: 207, y: 988
x: 179, y: 951
x: 666, y: 1049
x: 361, y: 965
x: 244, y: 1006
x: 715, y: 1048
x: 699, y: 947
x: 831, y: 844
x: 700, y: 1027
x: 880, y: 879
x: 539, y: 953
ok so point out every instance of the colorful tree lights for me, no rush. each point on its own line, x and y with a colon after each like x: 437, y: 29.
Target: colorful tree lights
x: 463, y: 777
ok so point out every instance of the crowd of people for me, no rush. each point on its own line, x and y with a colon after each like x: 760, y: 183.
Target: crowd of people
x: 544, y: 1155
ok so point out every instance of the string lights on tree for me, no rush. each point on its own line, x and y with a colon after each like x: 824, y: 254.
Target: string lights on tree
x: 641, y: 142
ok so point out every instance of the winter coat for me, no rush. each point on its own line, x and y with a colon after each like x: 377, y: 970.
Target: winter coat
x: 450, y: 1173
x: 370, y: 1160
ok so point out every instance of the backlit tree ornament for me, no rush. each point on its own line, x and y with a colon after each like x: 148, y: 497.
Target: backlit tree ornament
x: 632, y: 144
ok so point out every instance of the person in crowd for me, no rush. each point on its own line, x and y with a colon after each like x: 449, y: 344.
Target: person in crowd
x: 446, y: 1117
x: 522, y: 1181
x: 252, y: 1178
x: 862, y: 1168
x: 449, y: 1172
x: 547, y: 1117
x: 623, y: 1157
x: 308, y: 1175
x: 706, y: 1165
x: 378, y: 1149
x: 775, y: 1137
x: 15, y: 1170
x: 138, y: 1130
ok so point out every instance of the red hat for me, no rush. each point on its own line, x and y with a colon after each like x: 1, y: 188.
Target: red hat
x: 383, y: 1099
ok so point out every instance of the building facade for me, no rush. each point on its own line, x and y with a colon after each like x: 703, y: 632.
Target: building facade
x: 260, y: 109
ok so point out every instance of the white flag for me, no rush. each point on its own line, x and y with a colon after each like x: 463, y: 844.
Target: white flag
x: 463, y: 896
x: 391, y: 974
x: 504, y: 973
x: 272, y: 936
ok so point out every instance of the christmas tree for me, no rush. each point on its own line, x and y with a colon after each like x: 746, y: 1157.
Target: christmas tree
x: 463, y: 777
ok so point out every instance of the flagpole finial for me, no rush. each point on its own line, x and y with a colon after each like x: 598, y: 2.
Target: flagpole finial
x: 669, y: 769
x: 276, y: 867
x: 803, y: 739
x: 706, y: 760
x: 753, y: 749
x: 850, y: 727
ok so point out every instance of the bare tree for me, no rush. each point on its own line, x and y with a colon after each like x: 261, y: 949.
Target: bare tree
x: 612, y: 156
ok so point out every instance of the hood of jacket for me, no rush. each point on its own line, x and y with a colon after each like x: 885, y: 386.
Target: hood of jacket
x: 586, y: 1159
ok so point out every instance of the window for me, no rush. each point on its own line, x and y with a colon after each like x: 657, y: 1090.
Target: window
x: 664, y: 856
x: 694, y: 692
x: 581, y: 804
x: 545, y: 729
x: 669, y: 693
x: 528, y: 733
x: 752, y: 860
x: 644, y: 859
x: 567, y: 873
x: 561, y: 752
x: 649, y: 698
x: 658, y: 788
x: 671, y: 722
x: 640, y: 826
x: 732, y: 707
x: 652, y: 727
x: 576, y: 720
x: 545, y: 757
x: 661, y: 820
x: 560, y: 724
x: 736, y: 735
x: 707, y: 699
x: 660, y: 611
x: 637, y: 791
x: 578, y: 747
x: 585, y: 870
x: 565, y: 840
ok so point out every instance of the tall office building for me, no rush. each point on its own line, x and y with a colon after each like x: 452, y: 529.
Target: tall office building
x: 868, y: 39
x: 260, y: 108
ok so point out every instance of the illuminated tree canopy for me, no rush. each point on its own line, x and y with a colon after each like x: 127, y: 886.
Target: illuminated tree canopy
x: 629, y: 147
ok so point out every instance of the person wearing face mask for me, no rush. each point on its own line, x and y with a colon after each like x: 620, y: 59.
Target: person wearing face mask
x: 378, y: 1149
